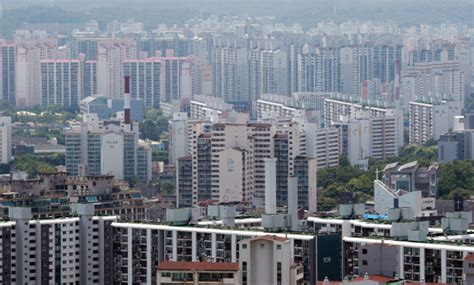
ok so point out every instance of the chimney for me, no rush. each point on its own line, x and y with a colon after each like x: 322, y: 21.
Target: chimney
x: 126, y: 101
x: 270, y: 186
x: 293, y: 202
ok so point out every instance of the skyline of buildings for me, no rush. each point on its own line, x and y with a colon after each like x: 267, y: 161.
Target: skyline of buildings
x: 257, y: 125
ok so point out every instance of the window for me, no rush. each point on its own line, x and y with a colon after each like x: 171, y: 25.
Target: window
x: 244, y: 273
x: 278, y: 246
x: 364, y: 262
x: 364, y: 251
x: 279, y: 273
x: 244, y: 246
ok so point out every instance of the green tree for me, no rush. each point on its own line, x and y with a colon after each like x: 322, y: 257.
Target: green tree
x: 36, y: 164
x: 326, y: 203
x: 456, y: 175
x: 149, y: 130
x: 167, y: 188
x: 459, y: 192
x: 160, y: 156
x: 154, y: 125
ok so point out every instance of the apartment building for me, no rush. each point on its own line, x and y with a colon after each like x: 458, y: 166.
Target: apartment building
x: 428, y: 262
x: 235, y: 152
x: 319, y: 70
x: 28, y: 71
x: 229, y: 73
x: 277, y: 106
x: 155, y: 243
x: 89, y: 78
x: 107, y: 147
x: 323, y: 144
x: 75, y: 250
x: 5, y: 139
x: 369, y: 136
x: 110, y: 58
x: 436, y: 78
x: 341, y: 105
x: 8, y: 71
x: 145, y: 80
x: 202, y: 106
x: 430, y: 119
x: 61, y: 83
x: 176, y: 77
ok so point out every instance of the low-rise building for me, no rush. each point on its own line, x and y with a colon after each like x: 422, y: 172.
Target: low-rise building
x: 412, y: 177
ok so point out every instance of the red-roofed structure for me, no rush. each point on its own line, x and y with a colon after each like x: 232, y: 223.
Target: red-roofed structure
x: 197, y: 273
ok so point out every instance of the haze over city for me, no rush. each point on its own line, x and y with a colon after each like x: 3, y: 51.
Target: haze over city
x: 252, y: 142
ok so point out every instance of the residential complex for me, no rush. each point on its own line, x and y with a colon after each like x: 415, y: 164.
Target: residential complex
x: 236, y: 150
x: 108, y: 147
x: 118, y: 253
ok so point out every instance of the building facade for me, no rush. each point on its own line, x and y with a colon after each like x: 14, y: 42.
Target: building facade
x: 61, y: 83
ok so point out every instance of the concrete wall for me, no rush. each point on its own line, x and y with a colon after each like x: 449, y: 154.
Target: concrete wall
x: 376, y: 259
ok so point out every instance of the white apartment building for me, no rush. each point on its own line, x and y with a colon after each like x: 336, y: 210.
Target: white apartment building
x: 176, y: 77
x: 238, y: 162
x: 28, y: 72
x: 6, y: 139
x: 431, y: 119
x: 99, y: 250
x: 268, y: 72
x: 262, y: 134
x: 413, y: 261
x: 110, y: 58
x: 178, y: 136
x: 229, y: 73
x: 338, y: 106
x: 303, y: 104
x: 376, y: 137
x: 323, y: 144
x: 190, y: 244
x: 229, y: 158
x: 277, y: 106
x: 67, y: 250
x: 202, y: 106
x: 440, y: 78
x: 108, y: 147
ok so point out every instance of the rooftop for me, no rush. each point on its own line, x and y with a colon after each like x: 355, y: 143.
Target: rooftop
x: 270, y: 238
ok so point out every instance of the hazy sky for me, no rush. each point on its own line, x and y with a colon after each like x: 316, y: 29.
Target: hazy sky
x: 307, y: 12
